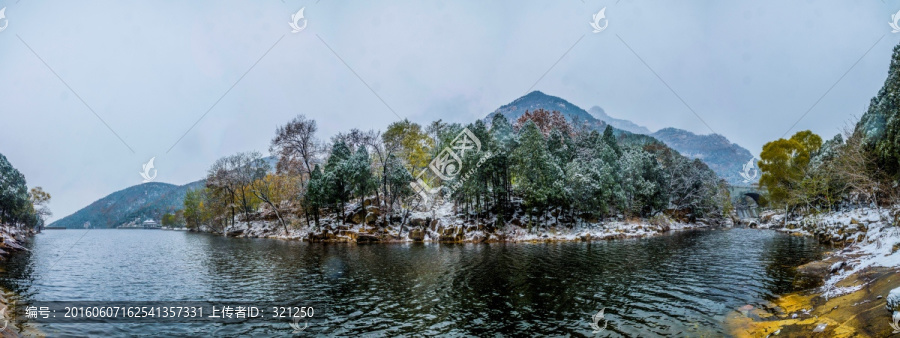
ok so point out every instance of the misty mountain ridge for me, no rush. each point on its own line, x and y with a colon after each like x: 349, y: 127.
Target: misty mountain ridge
x: 142, y: 201
x: 721, y: 155
x: 625, y: 125
x: 725, y: 158
x: 147, y: 200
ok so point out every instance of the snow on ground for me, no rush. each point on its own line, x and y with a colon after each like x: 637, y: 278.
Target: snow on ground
x: 443, y: 223
x: 870, y: 236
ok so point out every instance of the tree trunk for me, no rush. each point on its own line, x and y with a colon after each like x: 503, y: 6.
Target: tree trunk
x: 277, y: 214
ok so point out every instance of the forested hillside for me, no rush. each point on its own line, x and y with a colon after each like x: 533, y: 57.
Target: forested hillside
x: 539, y: 167
x: 721, y: 155
x: 148, y: 200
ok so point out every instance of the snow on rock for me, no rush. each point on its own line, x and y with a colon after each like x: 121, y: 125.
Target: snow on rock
x: 893, y: 300
x: 870, y: 238
x: 11, y: 239
x: 444, y: 224
x: 837, y: 266
x: 820, y: 328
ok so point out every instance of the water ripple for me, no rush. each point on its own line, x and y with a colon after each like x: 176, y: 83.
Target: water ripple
x: 673, y: 285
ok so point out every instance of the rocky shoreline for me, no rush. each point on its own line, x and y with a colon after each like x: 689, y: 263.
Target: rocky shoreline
x: 363, y: 225
x: 854, y: 291
x: 458, y: 233
x: 11, y: 240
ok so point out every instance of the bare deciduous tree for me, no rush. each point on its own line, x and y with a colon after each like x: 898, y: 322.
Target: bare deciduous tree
x: 275, y: 191
x: 233, y: 175
x: 295, y: 143
x: 856, y: 168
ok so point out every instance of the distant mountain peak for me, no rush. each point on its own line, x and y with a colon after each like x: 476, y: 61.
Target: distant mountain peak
x: 538, y: 100
x: 720, y: 154
x: 622, y: 124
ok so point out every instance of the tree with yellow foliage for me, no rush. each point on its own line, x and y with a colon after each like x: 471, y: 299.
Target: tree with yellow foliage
x: 784, y: 164
x: 412, y: 144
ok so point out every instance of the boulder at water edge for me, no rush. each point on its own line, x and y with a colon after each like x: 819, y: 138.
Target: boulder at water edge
x: 893, y: 300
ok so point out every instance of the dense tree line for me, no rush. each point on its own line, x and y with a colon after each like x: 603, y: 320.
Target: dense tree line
x: 20, y: 206
x: 540, y: 165
x: 859, y: 166
x: 803, y: 173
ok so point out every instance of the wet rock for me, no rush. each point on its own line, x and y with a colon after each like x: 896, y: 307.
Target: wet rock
x: 813, y: 274
x: 371, y: 218
x: 452, y: 238
x: 373, y: 210
x: 366, y: 238
x: 435, y: 224
x: 448, y: 232
x: 357, y: 216
x: 417, y: 235
x: 479, y: 238
x: 417, y: 222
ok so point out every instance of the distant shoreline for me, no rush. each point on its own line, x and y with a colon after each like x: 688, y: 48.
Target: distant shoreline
x: 462, y: 233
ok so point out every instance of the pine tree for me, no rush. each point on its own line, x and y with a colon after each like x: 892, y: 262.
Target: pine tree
x: 14, y: 205
x: 610, y: 139
x: 360, y: 170
x: 316, y: 196
x: 534, y: 170
x: 339, y: 176
x: 397, y: 180
x: 503, y: 142
x: 880, y: 125
x: 642, y: 181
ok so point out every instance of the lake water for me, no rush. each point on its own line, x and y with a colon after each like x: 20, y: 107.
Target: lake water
x: 679, y: 284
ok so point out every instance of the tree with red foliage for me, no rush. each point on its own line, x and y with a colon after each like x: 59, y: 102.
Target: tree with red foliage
x: 546, y: 121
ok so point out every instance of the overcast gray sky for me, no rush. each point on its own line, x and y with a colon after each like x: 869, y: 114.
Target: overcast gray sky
x: 151, y: 69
